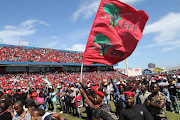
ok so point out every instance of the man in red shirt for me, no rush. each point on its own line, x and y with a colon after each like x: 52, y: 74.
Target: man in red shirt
x: 34, y: 94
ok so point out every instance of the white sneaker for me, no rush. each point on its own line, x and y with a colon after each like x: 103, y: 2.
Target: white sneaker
x: 61, y: 112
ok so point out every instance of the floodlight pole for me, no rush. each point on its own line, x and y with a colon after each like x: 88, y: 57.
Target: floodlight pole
x: 127, y: 67
x: 81, y: 72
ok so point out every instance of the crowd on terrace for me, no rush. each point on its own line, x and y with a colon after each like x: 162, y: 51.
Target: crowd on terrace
x: 150, y: 96
x: 21, y: 54
x: 35, y: 80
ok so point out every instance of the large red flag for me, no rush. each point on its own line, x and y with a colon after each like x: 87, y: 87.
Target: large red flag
x: 116, y: 30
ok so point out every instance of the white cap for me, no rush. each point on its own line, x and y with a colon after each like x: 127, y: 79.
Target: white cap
x: 72, y: 88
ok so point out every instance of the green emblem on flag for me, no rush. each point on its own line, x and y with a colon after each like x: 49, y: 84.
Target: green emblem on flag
x: 104, y: 43
x: 114, y: 14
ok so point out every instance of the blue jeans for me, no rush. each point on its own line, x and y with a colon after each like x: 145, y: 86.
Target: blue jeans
x: 167, y: 94
x: 54, y: 106
x: 79, y: 111
x: 62, y: 105
x: 46, y: 106
x: 175, y: 102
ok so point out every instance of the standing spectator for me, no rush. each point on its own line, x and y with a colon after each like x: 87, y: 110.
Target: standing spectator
x: 29, y: 104
x: 107, y: 92
x: 173, y: 96
x: 21, y: 114
x: 49, y: 98
x: 157, y: 103
x: 4, y: 114
x: 120, y: 100
x: 61, y: 99
x: 58, y: 95
x: 178, y: 85
x: 40, y: 101
x: 37, y: 114
x: 53, y: 99
x: 67, y: 100
x: 133, y: 111
x: 78, y: 102
x: 34, y: 94
x: 72, y: 96
x: 142, y: 98
x: 45, y: 96
x: 101, y: 111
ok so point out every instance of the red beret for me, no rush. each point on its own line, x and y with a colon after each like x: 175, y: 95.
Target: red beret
x: 95, y: 83
x: 99, y: 93
x: 131, y: 84
x: 128, y: 93
x: 95, y: 88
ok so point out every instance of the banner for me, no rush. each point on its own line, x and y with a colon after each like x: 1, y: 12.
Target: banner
x: 116, y: 30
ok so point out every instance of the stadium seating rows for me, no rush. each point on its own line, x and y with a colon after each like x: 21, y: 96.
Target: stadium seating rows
x: 21, y: 54
x: 9, y: 80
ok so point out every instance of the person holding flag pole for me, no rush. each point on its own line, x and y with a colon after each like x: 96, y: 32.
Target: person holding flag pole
x: 115, y: 33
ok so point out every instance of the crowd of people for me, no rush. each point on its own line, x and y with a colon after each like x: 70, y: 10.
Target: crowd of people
x: 32, y: 79
x: 21, y: 54
x: 135, y: 98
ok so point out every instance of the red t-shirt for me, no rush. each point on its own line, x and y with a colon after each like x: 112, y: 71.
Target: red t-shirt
x: 34, y: 95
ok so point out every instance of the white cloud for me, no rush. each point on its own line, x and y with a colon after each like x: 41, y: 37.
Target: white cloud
x: 11, y: 34
x: 167, y: 31
x: 77, y: 47
x: 130, y: 1
x: 88, y: 8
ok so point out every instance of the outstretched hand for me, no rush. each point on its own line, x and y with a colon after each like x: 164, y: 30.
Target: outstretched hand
x: 57, y: 116
x: 82, y: 92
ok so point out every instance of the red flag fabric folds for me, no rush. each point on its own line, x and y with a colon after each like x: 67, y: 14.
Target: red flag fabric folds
x: 116, y: 30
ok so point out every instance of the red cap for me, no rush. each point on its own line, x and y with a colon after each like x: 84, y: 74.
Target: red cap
x: 99, y: 93
x: 95, y: 83
x: 95, y: 88
x: 128, y: 93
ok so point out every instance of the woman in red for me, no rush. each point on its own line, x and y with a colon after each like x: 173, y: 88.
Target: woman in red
x: 78, y: 102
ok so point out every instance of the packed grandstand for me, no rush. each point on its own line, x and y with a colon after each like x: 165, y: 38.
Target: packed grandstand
x: 32, y: 54
x: 48, y: 81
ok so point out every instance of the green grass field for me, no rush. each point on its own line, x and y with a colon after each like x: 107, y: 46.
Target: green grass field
x: 171, y: 116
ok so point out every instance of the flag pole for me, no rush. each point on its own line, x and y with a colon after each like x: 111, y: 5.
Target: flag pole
x: 127, y: 67
x: 81, y: 72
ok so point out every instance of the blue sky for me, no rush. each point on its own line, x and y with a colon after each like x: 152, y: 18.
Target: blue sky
x: 66, y: 24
